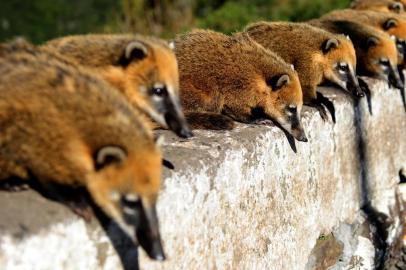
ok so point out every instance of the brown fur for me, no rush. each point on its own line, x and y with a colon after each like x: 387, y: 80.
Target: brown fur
x: 53, y: 120
x: 378, y: 5
x: 367, y: 56
x: 227, y: 75
x: 301, y: 45
x: 135, y: 78
x: 372, y: 18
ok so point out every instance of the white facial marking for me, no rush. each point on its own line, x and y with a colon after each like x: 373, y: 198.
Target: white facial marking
x: 129, y: 211
x: 114, y: 196
x: 160, y: 141
x: 131, y: 197
x: 159, y: 85
x: 143, y: 89
x: 292, y: 67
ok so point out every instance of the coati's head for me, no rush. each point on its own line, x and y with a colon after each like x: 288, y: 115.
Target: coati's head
x: 396, y: 27
x: 151, y: 69
x: 273, y: 90
x: 378, y: 5
x: 143, y: 68
x: 125, y: 185
x: 282, y: 100
x: 379, y: 59
x: 340, y: 63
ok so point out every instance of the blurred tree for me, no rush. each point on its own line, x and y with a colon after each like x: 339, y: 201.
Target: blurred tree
x: 158, y: 17
x: 40, y: 20
x: 232, y: 16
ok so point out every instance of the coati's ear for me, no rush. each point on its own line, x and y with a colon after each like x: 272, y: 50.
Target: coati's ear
x: 396, y: 7
x: 372, y: 41
x: 390, y: 23
x: 134, y: 51
x: 278, y: 82
x: 329, y: 44
x: 108, y: 155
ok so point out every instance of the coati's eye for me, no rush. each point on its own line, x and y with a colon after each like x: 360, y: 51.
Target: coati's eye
x: 159, y: 90
x: 130, y: 200
x: 384, y: 62
x: 131, y: 206
x: 292, y: 109
x: 278, y: 82
x: 342, y: 67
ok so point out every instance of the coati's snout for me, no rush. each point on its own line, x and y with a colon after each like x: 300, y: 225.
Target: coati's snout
x: 169, y: 110
x: 126, y: 188
x: 294, y: 125
x: 142, y: 216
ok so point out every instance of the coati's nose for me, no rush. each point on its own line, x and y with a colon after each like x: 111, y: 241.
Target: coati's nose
x: 302, y: 138
x: 394, y: 78
x: 176, y: 120
x: 299, y: 133
x: 185, y: 133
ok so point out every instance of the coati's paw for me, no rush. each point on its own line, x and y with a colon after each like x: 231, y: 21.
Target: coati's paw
x: 265, y: 122
x: 82, y: 209
x: 12, y: 186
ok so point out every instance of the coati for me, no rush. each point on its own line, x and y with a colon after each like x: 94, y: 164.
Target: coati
x: 143, y: 68
x: 317, y: 55
x: 62, y: 126
x: 225, y: 78
x: 376, y: 52
x: 378, y: 5
x: 393, y: 24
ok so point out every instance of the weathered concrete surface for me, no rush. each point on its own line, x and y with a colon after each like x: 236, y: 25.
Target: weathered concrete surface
x: 243, y: 199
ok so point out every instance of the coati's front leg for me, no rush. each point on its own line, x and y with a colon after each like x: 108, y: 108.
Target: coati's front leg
x: 321, y: 102
x: 77, y: 199
x: 364, y: 86
x: 207, y: 120
x: 401, y: 69
x: 320, y: 108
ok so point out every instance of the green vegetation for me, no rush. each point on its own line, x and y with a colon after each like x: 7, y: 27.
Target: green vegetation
x: 41, y: 20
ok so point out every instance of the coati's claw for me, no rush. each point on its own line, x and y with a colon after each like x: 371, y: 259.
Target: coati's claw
x: 265, y: 122
x: 14, y: 188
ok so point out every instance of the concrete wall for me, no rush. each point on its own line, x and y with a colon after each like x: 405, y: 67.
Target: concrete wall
x: 245, y: 200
